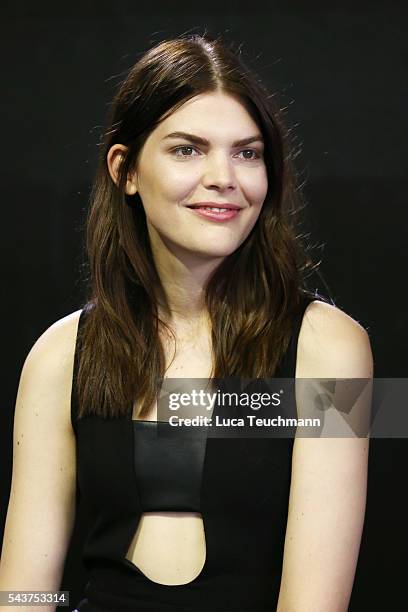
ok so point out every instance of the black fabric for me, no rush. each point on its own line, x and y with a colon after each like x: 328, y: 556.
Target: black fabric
x: 168, y: 468
x: 243, y: 495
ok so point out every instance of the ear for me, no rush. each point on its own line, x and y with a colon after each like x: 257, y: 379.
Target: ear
x: 114, y: 159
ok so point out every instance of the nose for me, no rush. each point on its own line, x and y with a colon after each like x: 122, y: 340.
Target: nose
x: 219, y: 173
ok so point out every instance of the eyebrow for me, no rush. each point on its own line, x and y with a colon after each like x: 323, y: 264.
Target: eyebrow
x: 205, y: 142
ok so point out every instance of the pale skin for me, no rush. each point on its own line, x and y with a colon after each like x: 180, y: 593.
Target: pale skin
x: 328, y: 488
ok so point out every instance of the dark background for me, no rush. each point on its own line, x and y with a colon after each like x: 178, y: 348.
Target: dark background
x: 340, y: 72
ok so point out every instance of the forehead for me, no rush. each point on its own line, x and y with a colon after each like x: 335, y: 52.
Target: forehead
x: 214, y: 113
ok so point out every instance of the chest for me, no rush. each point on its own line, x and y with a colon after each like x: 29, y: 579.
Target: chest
x: 187, y: 357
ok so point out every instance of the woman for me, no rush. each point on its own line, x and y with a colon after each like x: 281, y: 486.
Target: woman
x: 183, y: 291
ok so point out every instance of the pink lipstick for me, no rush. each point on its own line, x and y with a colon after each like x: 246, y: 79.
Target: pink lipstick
x: 215, y: 212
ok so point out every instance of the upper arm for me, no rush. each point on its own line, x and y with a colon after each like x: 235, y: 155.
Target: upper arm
x: 41, y: 507
x: 329, y: 476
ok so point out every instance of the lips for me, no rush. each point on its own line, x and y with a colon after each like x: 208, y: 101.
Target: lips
x: 218, y: 215
x: 227, y: 205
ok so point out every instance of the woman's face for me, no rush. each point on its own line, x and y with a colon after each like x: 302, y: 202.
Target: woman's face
x: 205, y: 164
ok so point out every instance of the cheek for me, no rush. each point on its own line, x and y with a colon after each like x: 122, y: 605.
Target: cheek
x: 175, y: 183
x: 255, y: 186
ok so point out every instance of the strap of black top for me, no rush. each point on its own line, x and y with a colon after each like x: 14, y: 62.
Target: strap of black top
x: 287, y: 367
x: 74, y: 394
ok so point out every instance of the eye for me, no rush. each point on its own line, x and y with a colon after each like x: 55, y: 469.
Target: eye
x: 183, y: 149
x: 251, y: 151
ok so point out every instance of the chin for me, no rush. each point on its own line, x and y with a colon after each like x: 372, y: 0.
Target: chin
x: 216, y: 254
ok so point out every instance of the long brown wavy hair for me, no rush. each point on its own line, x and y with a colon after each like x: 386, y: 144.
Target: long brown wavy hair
x: 253, y: 295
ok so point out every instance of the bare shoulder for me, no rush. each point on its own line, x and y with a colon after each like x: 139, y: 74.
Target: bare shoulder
x: 332, y: 344
x: 56, y: 344
x: 59, y: 334
x: 47, y: 371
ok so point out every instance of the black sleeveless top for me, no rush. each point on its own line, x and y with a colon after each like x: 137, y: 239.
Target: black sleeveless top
x: 243, y: 496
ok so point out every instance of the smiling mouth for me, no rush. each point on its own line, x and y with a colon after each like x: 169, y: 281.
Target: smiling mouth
x: 216, y: 213
x: 215, y: 206
x: 217, y: 209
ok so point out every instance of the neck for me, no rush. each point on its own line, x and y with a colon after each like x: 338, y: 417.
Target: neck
x: 184, y: 281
